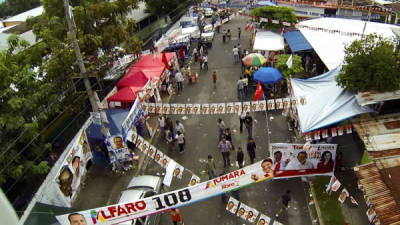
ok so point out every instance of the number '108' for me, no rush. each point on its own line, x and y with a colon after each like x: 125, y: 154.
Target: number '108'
x: 172, y: 199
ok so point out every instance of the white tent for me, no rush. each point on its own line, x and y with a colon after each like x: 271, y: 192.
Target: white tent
x: 326, y: 102
x: 268, y: 41
x: 330, y: 46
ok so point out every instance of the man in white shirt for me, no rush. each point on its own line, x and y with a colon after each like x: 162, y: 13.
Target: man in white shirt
x: 205, y: 62
x: 240, y: 86
x: 179, y: 127
x: 301, y: 163
x: 235, y: 54
x: 161, y: 122
x: 179, y: 80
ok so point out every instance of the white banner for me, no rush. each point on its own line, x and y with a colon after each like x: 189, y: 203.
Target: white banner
x: 118, y: 213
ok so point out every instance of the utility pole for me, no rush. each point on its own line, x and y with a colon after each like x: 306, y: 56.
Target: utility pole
x: 93, y: 98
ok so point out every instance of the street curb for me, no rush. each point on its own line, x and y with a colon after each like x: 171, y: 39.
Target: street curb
x: 319, y: 213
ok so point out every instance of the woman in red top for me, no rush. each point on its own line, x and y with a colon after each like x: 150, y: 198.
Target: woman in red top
x: 175, y: 216
x: 326, y: 163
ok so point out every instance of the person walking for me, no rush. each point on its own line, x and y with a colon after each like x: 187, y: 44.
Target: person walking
x: 161, y: 123
x: 180, y: 138
x: 251, y: 149
x: 225, y: 147
x: 245, y: 85
x: 285, y: 199
x: 211, y: 168
x: 240, y: 157
x: 205, y: 62
x: 240, y: 88
x: 242, y: 115
x: 179, y: 80
x: 214, y: 78
x: 228, y: 136
x: 239, y: 32
x: 221, y: 128
x: 235, y: 51
x: 170, y: 125
x: 195, y: 54
x: 179, y: 127
x: 248, y: 121
x: 176, y: 216
x: 170, y: 139
x: 228, y: 34
x: 223, y: 36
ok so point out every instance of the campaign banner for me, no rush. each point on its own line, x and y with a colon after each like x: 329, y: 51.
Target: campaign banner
x: 292, y: 160
x: 114, y: 214
x: 133, y: 117
x: 74, y: 166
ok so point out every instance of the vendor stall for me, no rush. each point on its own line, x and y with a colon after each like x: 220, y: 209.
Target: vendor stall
x: 124, y: 98
x: 133, y: 78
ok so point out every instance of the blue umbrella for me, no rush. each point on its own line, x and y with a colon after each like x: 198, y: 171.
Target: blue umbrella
x: 267, y: 75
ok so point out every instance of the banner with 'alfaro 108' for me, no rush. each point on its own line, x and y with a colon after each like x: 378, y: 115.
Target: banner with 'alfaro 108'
x: 118, y: 213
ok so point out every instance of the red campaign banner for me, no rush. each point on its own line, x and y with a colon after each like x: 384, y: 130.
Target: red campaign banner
x: 324, y: 133
x: 333, y: 131
x: 340, y: 130
x: 349, y: 129
x: 317, y: 135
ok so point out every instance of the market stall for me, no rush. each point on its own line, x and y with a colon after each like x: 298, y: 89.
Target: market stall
x: 124, y: 98
x: 133, y: 78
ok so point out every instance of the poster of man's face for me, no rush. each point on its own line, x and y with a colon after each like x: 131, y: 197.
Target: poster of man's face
x: 238, y: 107
x: 270, y: 104
x: 117, y: 142
x: 173, y: 108
x: 229, y: 107
x: 178, y: 171
x: 196, y: 109
x: 76, y: 219
x: 152, y: 108
x: 188, y: 109
x: 158, y: 108
x: 181, y: 109
x: 294, y: 102
x: 279, y: 103
x: 205, y: 109
x: 213, y: 108
x: 286, y: 103
x: 261, y: 105
x: 194, y: 180
x: 232, y: 205
x: 145, y: 147
x: 221, y: 108
x: 242, y: 211
x: 139, y: 142
x: 246, y: 106
x: 151, y: 152
x: 303, y: 100
x: 264, y: 220
x: 166, y: 108
x: 343, y: 195
x: 145, y: 106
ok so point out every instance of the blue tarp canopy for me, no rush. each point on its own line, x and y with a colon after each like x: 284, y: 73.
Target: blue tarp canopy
x: 297, y: 42
x: 115, y: 117
x: 326, y: 103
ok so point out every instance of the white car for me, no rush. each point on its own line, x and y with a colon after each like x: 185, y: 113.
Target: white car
x: 208, y: 12
x: 138, y: 188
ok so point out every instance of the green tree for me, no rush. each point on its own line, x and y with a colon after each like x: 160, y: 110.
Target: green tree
x: 370, y: 64
x: 281, y: 13
x: 287, y: 72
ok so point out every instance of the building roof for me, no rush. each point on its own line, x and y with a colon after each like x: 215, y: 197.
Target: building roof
x: 296, y: 41
x: 383, y: 192
x: 22, y: 17
x: 381, y: 135
x: 368, y: 98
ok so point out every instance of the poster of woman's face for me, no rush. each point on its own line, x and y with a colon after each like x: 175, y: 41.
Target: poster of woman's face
x: 65, y: 180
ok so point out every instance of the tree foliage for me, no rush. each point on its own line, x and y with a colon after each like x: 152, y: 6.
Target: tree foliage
x: 285, y: 70
x: 281, y: 13
x: 370, y: 64
x: 14, y: 7
x: 162, y: 7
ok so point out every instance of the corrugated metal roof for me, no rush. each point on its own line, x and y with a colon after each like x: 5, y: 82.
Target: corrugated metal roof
x: 25, y: 15
x: 381, y: 135
x: 375, y: 180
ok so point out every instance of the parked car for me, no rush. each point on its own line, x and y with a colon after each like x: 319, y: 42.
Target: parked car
x: 138, y: 188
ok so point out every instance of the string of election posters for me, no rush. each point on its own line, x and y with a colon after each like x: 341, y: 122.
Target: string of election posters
x: 248, y: 213
x: 222, y: 108
x: 324, y: 133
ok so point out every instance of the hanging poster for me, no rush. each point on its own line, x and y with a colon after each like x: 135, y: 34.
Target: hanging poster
x: 286, y: 103
x: 279, y: 103
x: 264, y: 220
x: 242, y: 211
x: 334, y: 131
x: 293, y: 160
x: 340, y: 130
x: 196, y: 109
x: 294, y: 102
x: 139, y: 142
x: 173, y: 109
x: 164, y: 161
x: 145, y: 107
x: 317, y: 135
x: 145, y: 146
x: 180, y: 109
x: 324, y: 133
x: 152, y: 151
x: 230, y: 107
x: 221, y: 108
x: 251, y: 215
x: 166, y: 108
x: 213, y: 108
x: 246, y: 106
x: 238, y: 107
x: 254, y: 106
x: 178, y: 171
x: 205, y: 109
x: 303, y: 100
x: 271, y: 104
x: 194, y: 180
x: 157, y: 158
x: 336, y: 185
x: 261, y: 105
x: 232, y: 205
x: 158, y: 108
x: 188, y: 109
x: 349, y: 129
x: 151, y: 108
x: 343, y: 195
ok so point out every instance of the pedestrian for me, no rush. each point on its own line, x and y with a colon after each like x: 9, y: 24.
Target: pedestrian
x: 285, y: 199
x: 228, y: 136
x: 235, y: 51
x: 251, y: 149
x: 239, y: 32
x: 180, y: 138
x: 245, y: 85
x: 221, y: 128
x: 242, y: 115
x: 176, y: 216
x: 161, y: 123
x: 240, y: 157
x: 240, y: 88
x: 248, y: 121
x: 211, y: 168
x: 170, y: 139
x: 201, y: 61
x: 205, y: 62
x: 242, y: 65
x: 240, y: 49
x: 179, y: 127
x: 225, y: 147
x: 179, y: 80
x: 201, y: 49
x: 214, y: 78
x: 228, y: 34
x: 170, y: 125
x: 195, y: 54
x: 223, y: 36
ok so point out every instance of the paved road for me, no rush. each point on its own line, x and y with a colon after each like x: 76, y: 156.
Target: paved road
x: 202, y: 139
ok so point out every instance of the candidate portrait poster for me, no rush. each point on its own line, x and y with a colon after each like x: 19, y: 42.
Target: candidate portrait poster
x: 264, y: 220
x: 291, y: 160
x: 127, y: 211
x: 194, y: 180
x: 232, y: 205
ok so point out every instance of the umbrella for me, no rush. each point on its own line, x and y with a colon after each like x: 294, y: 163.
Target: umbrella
x: 267, y: 75
x: 254, y: 59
